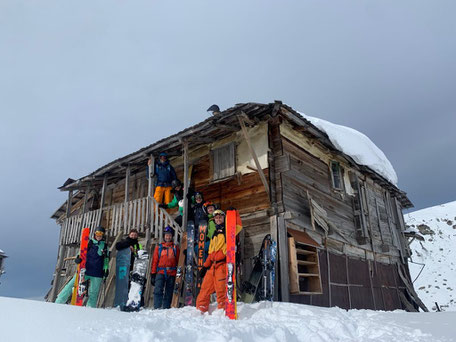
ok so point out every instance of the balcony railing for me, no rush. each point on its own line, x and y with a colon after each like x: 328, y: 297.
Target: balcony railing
x: 140, y: 214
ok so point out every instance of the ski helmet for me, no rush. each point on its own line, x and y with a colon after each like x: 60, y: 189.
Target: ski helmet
x: 168, y: 230
x: 200, y: 194
x: 163, y: 154
x: 175, y: 183
x: 100, y: 229
x: 219, y: 212
x: 209, y: 204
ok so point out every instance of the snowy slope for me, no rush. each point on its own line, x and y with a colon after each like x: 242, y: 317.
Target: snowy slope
x: 356, y: 145
x: 23, y: 320
x: 437, y: 281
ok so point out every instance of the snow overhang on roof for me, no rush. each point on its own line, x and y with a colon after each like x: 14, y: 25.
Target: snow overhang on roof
x: 215, y: 128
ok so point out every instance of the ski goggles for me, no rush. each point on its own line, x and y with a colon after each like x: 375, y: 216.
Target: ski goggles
x: 99, y: 233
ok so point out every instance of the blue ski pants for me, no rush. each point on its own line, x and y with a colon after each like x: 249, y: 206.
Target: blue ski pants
x: 94, y: 289
x: 163, y: 291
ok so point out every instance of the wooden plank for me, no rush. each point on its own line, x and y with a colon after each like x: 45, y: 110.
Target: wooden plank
x: 283, y: 258
x: 108, y: 282
x: 294, y: 279
x: 254, y: 156
x: 60, y: 254
x: 186, y: 185
x: 103, y: 195
x: 126, y: 195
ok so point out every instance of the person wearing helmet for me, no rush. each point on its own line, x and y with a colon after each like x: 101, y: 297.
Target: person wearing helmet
x: 165, y: 174
x: 178, y: 201
x: 214, y: 270
x: 209, y: 209
x: 199, y: 214
x: 97, y: 262
x: 163, y: 271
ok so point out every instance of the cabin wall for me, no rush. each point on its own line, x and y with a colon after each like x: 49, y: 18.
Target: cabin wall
x: 306, y: 172
x: 353, y: 275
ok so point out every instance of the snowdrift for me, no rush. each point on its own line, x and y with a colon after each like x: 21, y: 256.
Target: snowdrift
x: 25, y: 320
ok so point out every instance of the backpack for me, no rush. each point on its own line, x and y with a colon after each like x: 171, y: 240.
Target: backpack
x: 160, y: 249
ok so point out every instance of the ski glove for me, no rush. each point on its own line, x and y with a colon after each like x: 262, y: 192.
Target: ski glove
x: 202, y: 272
x: 152, y: 279
x: 78, y: 260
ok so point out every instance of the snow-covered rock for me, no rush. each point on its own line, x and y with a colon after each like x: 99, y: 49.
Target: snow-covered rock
x: 434, y: 259
x: 24, y: 320
x: 358, y: 146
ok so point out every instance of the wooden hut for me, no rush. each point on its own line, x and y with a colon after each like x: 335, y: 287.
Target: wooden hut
x: 338, y: 224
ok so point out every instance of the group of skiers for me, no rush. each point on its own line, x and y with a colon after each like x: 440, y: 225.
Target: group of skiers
x: 169, y: 193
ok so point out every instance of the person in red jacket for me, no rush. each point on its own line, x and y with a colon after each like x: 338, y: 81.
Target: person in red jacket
x: 163, y: 272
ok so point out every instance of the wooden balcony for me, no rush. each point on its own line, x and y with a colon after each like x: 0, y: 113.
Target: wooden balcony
x: 140, y: 214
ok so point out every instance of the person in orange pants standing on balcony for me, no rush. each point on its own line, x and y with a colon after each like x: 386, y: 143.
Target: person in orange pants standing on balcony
x: 214, y: 270
x: 164, y: 175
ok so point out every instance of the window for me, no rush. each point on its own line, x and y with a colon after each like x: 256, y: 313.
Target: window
x: 223, y: 162
x: 336, y: 176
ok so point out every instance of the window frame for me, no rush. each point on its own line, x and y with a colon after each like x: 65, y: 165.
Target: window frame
x: 215, y: 159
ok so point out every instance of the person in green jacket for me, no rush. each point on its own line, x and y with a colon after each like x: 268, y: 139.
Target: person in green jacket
x: 178, y: 201
x: 209, y: 208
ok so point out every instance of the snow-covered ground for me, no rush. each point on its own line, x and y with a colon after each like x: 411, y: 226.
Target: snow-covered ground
x: 437, y: 281
x: 25, y: 320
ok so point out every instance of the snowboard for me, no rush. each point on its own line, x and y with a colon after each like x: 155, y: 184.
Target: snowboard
x: 137, y: 281
x: 268, y: 264
x: 188, y: 296
x: 230, y: 302
x: 80, y: 286
x: 123, y: 259
x: 179, y: 273
x: 250, y: 287
x: 202, y: 233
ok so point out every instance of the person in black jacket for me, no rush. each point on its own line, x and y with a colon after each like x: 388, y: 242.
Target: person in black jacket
x: 96, y: 269
x: 131, y: 241
x: 199, y: 213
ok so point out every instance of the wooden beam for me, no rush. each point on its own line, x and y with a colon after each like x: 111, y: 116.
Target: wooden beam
x: 254, y: 156
x: 282, y: 242
x: 127, y: 190
x: 150, y: 193
x: 227, y: 127
x: 60, y: 252
x: 103, y: 195
x: 186, y: 185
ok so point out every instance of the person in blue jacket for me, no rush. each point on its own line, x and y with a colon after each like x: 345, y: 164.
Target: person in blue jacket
x: 165, y: 174
x: 97, y: 264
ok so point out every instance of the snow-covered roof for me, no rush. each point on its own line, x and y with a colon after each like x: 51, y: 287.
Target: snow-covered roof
x: 356, y: 145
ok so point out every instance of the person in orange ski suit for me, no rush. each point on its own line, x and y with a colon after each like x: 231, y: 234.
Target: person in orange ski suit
x: 214, y: 270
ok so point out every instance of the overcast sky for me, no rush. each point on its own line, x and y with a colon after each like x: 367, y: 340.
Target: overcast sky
x: 85, y: 82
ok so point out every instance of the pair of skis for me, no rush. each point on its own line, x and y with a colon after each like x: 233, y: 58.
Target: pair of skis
x: 187, y: 259
x: 80, y: 288
x: 232, y: 221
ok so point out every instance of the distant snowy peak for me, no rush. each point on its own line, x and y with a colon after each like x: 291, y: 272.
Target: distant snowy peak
x: 358, y: 146
x: 434, y: 259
